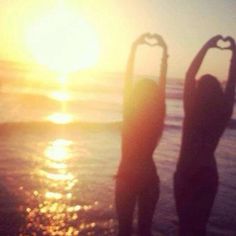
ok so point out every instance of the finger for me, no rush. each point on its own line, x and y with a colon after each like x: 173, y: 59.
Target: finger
x: 157, y: 36
x: 141, y: 38
x: 218, y: 36
x: 213, y: 41
x: 145, y: 35
x: 151, y: 45
x: 230, y: 39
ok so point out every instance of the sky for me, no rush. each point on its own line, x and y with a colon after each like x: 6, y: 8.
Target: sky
x: 184, y: 24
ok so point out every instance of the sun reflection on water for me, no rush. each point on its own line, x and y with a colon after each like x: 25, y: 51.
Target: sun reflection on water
x: 56, y: 205
x: 55, y: 213
x: 60, y: 118
x: 58, y: 150
x: 56, y: 165
x: 60, y: 95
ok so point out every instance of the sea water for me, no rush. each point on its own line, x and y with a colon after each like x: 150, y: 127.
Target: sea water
x: 59, y: 151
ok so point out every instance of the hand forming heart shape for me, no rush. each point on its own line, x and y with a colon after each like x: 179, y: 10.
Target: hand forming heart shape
x: 151, y: 40
x: 224, y: 43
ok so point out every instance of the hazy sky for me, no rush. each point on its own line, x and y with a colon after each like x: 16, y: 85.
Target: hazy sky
x: 184, y: 24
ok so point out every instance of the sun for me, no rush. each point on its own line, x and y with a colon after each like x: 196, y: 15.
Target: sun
x: 63, y: 41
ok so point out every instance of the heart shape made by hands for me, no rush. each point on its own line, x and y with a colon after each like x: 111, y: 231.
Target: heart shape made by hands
x: 223, y: 44
x: 151, y: 40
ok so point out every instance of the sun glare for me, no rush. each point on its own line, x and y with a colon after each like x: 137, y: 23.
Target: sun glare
x: 60, y: 118
x: 58, y: 150
x: 63, y: 41
x: 60, y: 96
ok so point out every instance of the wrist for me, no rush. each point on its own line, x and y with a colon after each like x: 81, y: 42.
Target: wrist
x: 133, y: 49
x: 165, y: 55
x: 233, y: 58
x: 206, y: 47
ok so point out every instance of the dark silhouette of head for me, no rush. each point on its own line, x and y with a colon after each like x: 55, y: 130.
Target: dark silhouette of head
x: 209, y: 97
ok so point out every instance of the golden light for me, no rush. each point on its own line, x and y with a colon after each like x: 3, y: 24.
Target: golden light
x: 59, y: 177
x: 56, y: 165
x: 62, y: 79
x: 55, y: 202
x: 52, y: 195
x: 60, y: 118
x: 63, y: 41
x: 74, y: 208
x: 58, y: 150
x: 60, y: 95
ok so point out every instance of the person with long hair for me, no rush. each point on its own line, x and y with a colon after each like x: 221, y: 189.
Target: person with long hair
x: 137, y: 181
x: 208, y: 108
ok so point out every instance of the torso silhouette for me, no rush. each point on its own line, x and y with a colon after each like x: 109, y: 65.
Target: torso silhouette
x: 142, y: 129
x: 200, y: 139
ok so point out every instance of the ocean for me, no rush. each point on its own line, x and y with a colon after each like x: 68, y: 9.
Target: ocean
x: 59, y: 151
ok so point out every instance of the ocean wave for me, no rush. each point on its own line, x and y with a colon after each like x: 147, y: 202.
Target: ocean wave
x: 44, y: 126
x: 47, y: 126
x: 116, y: 124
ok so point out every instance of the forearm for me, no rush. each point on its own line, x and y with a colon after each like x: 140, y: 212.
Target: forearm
x: 163, y: 72
x: 128, y: 79
x: 232, y: 70
x: 130, y: 64
x: 231, y: 83
x: 196, y: 63
x: 190, y: 80
x: 129, y: 71
x: 189, y: 86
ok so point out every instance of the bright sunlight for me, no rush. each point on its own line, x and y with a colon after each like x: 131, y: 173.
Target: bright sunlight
x: 60, y: 118
x: 63, y: 41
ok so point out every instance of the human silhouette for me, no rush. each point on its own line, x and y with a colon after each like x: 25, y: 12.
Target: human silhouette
x: 207, y: 109
x: 143, y: 119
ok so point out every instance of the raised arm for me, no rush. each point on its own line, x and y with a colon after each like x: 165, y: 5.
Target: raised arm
x: 129, y: 74
x: 163, y: 69
x: 189, y: 86
x: 230, y: 86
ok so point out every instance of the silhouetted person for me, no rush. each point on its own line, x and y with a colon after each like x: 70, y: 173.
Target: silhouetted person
x: 207, y: 108
x: 143, y: 120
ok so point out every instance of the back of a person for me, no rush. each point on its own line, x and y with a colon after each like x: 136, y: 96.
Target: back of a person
x: 137, y: 182
x: 207, y: 110
x: 143, y: 128
x: 204, y: 125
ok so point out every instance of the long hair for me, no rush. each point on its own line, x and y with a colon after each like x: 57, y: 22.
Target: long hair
x: 145, y: 103
x: 209, y: 97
